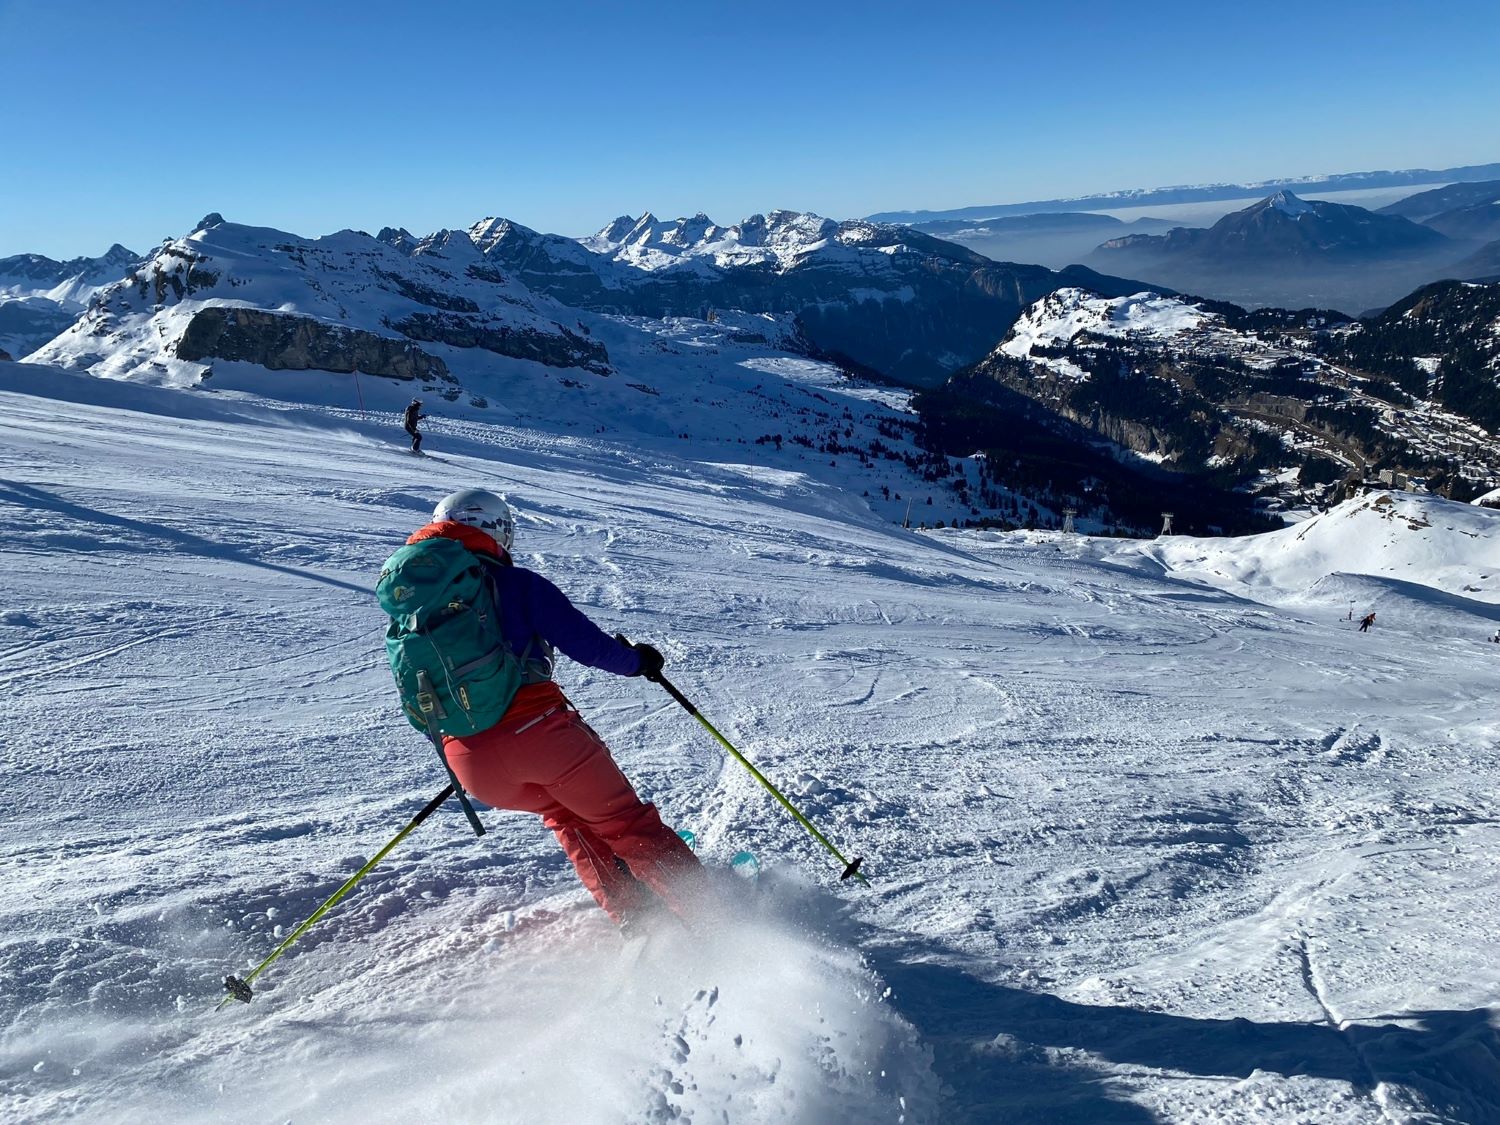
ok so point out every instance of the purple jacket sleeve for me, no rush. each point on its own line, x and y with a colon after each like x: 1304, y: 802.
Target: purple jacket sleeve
x: 564, y: 626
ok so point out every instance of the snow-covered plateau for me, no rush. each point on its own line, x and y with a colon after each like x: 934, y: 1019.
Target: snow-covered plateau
x: 1153, y: 832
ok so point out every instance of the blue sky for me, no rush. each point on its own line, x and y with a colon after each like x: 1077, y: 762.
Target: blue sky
x: 127, y: 122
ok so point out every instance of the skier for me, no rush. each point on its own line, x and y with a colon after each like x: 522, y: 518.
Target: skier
x: 541, y: 757
x: 409, y: 422
x: 1365, y: 622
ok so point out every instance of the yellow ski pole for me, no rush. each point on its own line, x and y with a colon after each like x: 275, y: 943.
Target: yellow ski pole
x: 851, y: 867
x: 239, y: 987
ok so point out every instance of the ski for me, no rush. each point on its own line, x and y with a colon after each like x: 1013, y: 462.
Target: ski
x: 743, y: 863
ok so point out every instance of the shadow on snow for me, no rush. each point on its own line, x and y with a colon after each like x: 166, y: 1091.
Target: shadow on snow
x: 997, y: 1048
x: 37, y: 499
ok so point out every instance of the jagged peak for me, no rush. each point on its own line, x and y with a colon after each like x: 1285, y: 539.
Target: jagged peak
x: 444, y: 242
x: 617, y: 230
x: 644, y: 227
x: 212, y: 219
x: 489, y: 232
x: 687, y: 231
x: 783, y: 221
x: 498, y: 224
x: 398, y: 238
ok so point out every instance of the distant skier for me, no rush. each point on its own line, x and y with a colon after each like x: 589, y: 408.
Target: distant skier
x: 409, y: 422
x: 541, y: 757
x: 1365, y: 622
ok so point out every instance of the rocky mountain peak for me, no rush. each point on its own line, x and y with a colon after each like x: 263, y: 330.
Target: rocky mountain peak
x: 617, y: 230
x: 644, y: 228
x: 398, y: 237
x: 448, y: 244
x: 489, y: 232
x: 1288, y: 204
x: 753, y: 231
x: 118, y: 255
x: 691, y: 232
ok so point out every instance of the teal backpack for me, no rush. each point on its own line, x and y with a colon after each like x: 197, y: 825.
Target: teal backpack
x: 455, y: 673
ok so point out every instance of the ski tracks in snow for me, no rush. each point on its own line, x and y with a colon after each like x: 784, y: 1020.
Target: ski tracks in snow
x: 1136, y: 846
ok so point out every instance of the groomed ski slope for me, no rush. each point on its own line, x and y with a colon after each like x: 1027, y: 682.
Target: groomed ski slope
x: 1153, y: 833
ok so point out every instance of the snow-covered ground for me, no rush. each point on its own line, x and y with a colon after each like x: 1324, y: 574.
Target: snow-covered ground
x: 1150, y: 836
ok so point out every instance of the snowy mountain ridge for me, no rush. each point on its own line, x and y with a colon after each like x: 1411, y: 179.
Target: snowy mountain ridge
x: 1298, y: 407
x: 342, y: 302
x: 1059, y: 318
x: 781, y: 240
x: 72, y: 282
x: 40, y: 297
x: 239, y: 308
x: 886, y: 299
x: 889, y: 300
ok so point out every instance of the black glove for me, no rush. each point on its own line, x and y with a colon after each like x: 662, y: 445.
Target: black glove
x: 652, y: 661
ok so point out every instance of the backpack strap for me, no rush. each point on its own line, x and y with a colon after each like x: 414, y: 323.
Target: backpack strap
x: 463, y: 671
x: 533, y: 671
x: 538, y: 671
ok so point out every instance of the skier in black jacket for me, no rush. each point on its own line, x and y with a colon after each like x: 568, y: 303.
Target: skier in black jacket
x: 412, y: 416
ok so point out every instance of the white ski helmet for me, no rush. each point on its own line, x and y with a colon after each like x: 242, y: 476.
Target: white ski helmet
x: 478, y: 508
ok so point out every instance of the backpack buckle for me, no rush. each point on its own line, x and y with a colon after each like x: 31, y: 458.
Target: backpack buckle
x: 427, y: 700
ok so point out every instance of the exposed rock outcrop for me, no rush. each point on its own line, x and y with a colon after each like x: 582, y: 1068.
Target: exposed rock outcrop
x: 285, y: 342
x: 555, y: 349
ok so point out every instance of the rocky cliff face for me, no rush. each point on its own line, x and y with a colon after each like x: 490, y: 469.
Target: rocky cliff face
x: 285, y: 342
x: 555, y: 349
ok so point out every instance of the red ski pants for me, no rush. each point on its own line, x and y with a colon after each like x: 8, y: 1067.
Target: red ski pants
x: 543, y: 758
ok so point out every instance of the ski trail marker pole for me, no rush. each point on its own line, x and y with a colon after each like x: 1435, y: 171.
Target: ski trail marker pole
x: 239, y: 987
x: 851, y: 867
